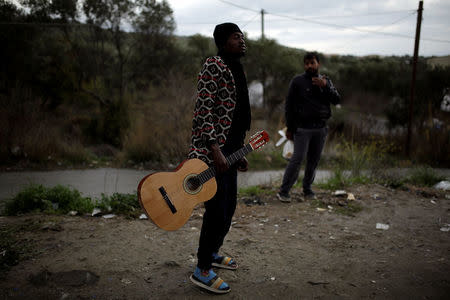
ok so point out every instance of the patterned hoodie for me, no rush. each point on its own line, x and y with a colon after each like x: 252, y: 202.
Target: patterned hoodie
x: 213, y: 112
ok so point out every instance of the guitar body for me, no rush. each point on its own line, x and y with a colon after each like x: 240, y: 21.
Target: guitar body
x: 168, y: 199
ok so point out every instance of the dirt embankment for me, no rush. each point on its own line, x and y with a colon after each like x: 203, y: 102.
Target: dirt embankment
x: 292, y: 251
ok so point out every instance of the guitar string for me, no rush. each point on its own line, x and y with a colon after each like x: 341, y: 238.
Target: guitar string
x: 210, y: 172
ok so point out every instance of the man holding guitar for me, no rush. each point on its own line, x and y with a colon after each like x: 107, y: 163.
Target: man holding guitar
x: 221, y: 119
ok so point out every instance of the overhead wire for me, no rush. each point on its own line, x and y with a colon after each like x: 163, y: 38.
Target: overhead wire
x: 358, y: 29
x: 310, y: 20
x: 302, y: 19
x: 377, y: 30
x: 239, y: 6
x: 339, y: 25
x: 329, y: 16
x: 361, y: 15
x: 252, y: 19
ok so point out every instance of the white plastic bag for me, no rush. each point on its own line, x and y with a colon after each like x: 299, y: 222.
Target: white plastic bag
x: 288, y: 149
x: 283, y: 138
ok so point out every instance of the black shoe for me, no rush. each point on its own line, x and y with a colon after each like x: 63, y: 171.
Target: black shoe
x: 309, y: 195
x: 282, y: 198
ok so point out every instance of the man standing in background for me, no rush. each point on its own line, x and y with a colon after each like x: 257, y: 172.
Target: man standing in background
x: 307, y: 110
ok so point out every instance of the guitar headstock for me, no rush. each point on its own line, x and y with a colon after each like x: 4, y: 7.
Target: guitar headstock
x: 259, y: 139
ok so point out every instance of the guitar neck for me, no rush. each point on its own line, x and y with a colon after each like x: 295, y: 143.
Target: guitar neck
x: 232, y: 159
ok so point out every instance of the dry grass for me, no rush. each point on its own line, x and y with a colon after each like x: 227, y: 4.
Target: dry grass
x: 30, y: 133
x: 366, y: 102
x: 431, y: 146
x: 161, y: 127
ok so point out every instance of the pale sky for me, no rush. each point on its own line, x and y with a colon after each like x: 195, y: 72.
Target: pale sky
x: 332, y: 27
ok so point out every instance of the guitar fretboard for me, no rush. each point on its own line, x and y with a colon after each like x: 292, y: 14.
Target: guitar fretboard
x: 233, y: 158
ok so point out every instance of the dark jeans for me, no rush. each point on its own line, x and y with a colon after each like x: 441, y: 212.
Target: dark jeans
x: 309, y: 143
x: 217, y: 218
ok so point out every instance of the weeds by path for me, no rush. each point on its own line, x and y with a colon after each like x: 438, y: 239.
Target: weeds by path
x: 62, y: 200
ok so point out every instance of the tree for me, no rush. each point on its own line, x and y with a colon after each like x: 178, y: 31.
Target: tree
x: 122, y: 42
x: 201, y: 47
x: 155, y: 52
x: 273, y: 65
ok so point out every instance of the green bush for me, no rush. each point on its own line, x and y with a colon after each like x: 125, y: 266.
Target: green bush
x: 391, y: 180
x: 124, y: 204
x: 37, y: 198
x: 340, y: 180
x: 255, y: 191
x: 33, y: 198
x: 337, y: 181
x: 357, y: 157
x: 266, y: 160
x: 68, y: 199
x: 424, y: 176
x: 61, y: 200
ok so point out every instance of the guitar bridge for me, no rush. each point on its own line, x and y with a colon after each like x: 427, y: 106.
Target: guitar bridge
x: 167, y: 199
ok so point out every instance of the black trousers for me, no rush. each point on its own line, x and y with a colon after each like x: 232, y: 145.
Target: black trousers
x: 309, y: 143
x: 219, y: 212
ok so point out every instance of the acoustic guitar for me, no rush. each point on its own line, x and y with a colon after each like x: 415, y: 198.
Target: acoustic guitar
x: 168, y: 198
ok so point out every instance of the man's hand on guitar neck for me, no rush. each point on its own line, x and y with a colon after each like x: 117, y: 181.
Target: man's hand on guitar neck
x: 220, y: 162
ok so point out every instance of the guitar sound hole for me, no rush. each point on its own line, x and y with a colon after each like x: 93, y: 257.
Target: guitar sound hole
x: 193, y: 183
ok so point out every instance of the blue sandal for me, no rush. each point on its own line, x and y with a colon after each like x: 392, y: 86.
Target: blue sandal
x: 224, y: 262
x: 212, y: 282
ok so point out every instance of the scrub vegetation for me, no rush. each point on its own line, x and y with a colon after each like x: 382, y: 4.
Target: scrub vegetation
x: 64, y: 200
x: 85, y: 92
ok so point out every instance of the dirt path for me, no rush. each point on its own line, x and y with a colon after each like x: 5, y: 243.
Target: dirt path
x: 94, y: 182
x: 288, y: 251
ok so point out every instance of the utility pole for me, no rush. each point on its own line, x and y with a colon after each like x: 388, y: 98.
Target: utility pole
x: 413, y: 80
x: 262, y: 24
